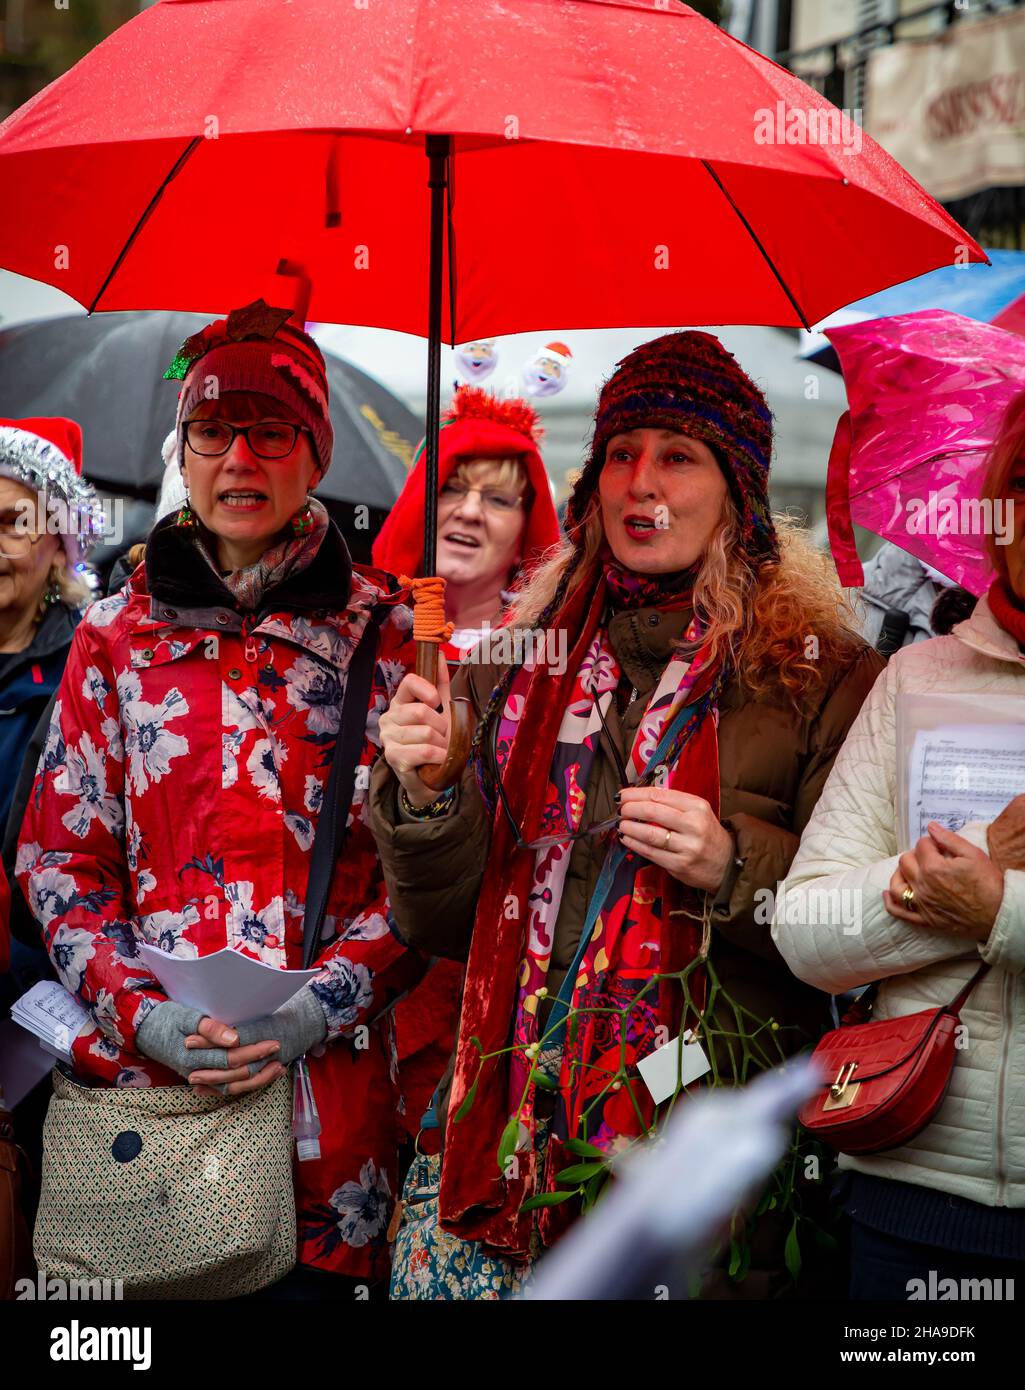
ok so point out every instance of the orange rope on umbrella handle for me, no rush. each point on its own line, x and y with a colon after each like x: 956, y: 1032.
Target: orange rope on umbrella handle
x: 430, y: 630
x: 429, y: 623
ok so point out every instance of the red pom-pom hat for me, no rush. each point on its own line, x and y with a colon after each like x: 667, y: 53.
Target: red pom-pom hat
x: 477, y: 426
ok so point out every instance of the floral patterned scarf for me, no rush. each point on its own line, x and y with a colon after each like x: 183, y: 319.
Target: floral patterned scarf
x: 628, y: 936
x: 287, y: 557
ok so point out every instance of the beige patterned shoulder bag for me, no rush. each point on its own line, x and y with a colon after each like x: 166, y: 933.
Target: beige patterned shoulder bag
x: 177, y: 1195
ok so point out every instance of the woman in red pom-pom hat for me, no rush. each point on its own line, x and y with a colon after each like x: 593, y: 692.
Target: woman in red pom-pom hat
x: 495, y: 511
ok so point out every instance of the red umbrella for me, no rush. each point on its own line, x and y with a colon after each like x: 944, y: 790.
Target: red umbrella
x: 609, y: 166
x: 591, y: 162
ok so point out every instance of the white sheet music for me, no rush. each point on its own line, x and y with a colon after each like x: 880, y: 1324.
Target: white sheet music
x: 53, y: 1014
x: 964, y: 772
x: 227, y: 985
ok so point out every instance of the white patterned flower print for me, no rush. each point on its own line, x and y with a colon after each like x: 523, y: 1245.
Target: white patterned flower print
x: 85, y: 777
x: 363, y: 1207
x: 149, y: 745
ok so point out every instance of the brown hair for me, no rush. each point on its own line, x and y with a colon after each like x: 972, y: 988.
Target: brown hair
x: 246, y: 405
x: 506, y: 473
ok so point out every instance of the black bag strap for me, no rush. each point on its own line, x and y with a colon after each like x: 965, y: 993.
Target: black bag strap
x: 893, y: 631
x: 331, y: 827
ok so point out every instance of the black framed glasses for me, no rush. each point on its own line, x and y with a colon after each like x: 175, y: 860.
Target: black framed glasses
x: 268, y: 439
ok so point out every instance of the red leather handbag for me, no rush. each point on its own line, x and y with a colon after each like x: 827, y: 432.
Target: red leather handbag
x: 887, y: 1078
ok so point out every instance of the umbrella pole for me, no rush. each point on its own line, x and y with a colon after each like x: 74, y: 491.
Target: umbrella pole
x: 437, y: 154
x: 428, y: 652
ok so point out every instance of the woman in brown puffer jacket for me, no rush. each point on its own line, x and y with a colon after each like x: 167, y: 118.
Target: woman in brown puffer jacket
x: 675, y: 658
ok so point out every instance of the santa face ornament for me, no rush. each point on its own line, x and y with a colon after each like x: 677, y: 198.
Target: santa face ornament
x: 476, y: 361
x: 547, y: 372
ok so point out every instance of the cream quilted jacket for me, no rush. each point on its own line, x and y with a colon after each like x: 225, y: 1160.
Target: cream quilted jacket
x: 975, y: 1145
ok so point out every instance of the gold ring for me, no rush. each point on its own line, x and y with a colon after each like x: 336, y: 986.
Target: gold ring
x: 908, y: 899
x: 665, y: 842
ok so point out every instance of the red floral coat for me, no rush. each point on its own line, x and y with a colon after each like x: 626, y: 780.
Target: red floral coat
x: 176, y: 802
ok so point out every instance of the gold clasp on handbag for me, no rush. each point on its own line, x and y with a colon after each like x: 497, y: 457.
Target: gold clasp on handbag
x: 842, y: 1093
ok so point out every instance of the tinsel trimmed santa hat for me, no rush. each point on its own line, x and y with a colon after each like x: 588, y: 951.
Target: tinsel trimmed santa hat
x: 44, y: 453
x: 477, y: 426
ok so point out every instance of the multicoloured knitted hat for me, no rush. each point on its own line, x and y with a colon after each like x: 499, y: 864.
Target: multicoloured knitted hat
x: 256, y: 349
x: 688, y: 382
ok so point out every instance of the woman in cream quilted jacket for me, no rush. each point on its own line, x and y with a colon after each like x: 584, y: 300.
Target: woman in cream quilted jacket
x: 950, y: 1203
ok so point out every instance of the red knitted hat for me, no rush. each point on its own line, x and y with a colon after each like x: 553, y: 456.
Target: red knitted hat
x: 477, y: 426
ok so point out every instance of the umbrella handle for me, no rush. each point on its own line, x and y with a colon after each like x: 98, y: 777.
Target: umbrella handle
x: 438, y: 776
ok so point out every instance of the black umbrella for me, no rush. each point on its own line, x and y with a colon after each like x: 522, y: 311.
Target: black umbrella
x: 105, y: 372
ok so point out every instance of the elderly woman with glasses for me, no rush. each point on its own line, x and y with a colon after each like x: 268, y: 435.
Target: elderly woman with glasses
x: 179, y: 795
x: 48, y: 514
x: 495, y: 512
x: 711, y: 678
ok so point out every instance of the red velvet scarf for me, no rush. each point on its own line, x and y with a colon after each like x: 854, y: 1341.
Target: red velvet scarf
x: 478, y: 1200
x: 1006, y: 608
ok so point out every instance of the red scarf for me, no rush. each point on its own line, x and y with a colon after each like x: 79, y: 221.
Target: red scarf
x: 477, y: 1200
x: 1006, y: 607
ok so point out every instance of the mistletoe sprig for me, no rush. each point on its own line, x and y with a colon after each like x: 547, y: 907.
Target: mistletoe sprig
x: 738, y: 1045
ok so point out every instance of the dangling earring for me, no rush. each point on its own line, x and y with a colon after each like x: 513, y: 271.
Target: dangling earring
x: 302, y: 522
x: 52, y: 593
x: 186, y: 517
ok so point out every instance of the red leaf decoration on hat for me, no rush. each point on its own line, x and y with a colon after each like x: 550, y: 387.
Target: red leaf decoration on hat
x: 255, y: 320
x: 474, y: 403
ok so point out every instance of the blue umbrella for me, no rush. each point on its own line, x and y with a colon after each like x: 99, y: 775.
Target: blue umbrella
x: 989, y: 293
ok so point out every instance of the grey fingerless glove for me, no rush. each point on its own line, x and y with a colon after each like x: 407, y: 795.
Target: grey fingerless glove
x: 162, y: 1033
x: 298, y: 1025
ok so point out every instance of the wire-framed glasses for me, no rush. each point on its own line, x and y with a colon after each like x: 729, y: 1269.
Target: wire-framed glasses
x: 492, y: 499
x: 16, y: 539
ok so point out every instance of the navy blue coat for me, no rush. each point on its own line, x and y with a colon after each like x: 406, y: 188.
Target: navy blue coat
x: 25, y: 690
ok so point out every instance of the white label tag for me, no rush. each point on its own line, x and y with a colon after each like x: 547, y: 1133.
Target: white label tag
x: 659, y: 1069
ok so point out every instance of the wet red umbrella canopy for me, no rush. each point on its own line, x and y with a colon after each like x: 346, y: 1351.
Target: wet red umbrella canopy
x: 611, y: 163
x: 589, y: 163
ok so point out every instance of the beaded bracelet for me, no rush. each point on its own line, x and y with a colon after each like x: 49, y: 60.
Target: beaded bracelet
x: 438, y: 807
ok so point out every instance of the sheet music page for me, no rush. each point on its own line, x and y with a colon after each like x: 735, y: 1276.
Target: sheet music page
x: 226, y: 985
x: 963, y: 772
x: 52, y: 1013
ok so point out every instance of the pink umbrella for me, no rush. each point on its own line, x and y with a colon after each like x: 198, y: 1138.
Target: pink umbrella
x: 926, y: 392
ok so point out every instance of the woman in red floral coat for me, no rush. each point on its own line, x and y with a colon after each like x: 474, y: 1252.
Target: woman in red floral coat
x: 178, y: 795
